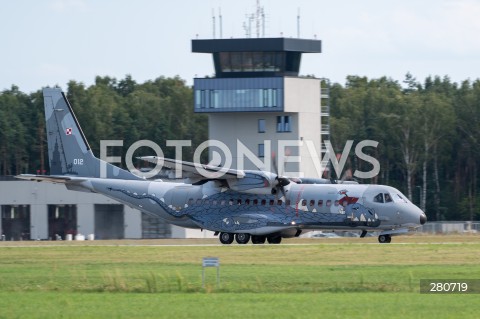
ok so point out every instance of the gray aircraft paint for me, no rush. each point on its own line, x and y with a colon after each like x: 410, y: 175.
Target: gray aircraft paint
x: 232, y: 206
x: 68, y: 149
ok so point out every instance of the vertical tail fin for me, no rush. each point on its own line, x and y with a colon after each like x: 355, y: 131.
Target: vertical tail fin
x: 68, y: 149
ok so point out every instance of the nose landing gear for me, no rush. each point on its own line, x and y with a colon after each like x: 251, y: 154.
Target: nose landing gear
x: 384, y: 239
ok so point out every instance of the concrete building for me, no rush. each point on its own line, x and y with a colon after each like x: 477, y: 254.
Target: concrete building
x: 258, y: 100
x: 31, y: 210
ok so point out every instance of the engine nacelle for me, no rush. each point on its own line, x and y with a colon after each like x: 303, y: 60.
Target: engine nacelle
x: 254, y: 182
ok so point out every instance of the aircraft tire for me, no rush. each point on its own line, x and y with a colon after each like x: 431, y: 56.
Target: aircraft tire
x: 384, y: 239
x: 242, y: 238
x: 258, y: 239
x: 226, y: 238
x: 274, y: 239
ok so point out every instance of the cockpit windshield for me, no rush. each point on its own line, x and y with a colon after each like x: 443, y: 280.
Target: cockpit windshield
x: 383, y: 198
x: 391, y: 196
x: 399, y: 198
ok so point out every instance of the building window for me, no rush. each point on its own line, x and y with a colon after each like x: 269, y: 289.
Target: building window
x: 234, y: 99
x: 261, y: 126
x: 261, y: 150
x: 269, y: 97
x: 284, y: 124
x: 252, y: 61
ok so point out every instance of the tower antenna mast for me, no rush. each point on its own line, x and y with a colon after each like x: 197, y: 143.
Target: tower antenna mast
x: 298, y: 23
x: 213, y: 22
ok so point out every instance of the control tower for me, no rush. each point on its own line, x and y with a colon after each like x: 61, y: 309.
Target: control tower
x: 257, y: 99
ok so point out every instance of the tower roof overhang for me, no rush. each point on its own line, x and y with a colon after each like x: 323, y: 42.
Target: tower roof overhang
x: 257, y: 45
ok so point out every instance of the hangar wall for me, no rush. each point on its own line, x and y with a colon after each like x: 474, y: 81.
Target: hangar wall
x: 31, y: 210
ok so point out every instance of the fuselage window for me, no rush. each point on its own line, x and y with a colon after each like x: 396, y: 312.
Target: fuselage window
x: 247, y: 201
x: 255, y: 202
x: 199, y: 201
x: 222, y: 202
x: 287, y: 202
x: 320, y: 203
x: 336, y: 203
x: 272, y: 202
x: 230, y: 201
x: 264, y: 202
x: 329, y: 203
x: 214, y: 202
x: 312, y: 202
x: 304, y: 202
x: 378, y: 198
x: 190, y: 201
x: 387, y: 198
x: 206, y: 202
x: 239, y: 202
x: 279, y: 202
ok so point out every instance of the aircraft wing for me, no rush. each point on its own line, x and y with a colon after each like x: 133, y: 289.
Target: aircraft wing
x: 195, y: 170
x: 245, y: 181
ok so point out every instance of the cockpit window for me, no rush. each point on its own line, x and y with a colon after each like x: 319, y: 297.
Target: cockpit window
x: 399, y: 198
x: 378, y: 198
x: 388, y: 198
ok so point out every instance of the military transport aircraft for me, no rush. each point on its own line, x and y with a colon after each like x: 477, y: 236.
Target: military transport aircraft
x: 239, y: 205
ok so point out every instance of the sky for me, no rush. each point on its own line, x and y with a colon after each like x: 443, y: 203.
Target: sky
x: 50, y: 42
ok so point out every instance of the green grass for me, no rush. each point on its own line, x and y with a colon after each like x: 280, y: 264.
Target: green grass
x: 247, y: 305
x: 336, y: 280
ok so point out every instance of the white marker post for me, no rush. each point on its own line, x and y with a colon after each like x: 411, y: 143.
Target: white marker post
x: 210, y: 262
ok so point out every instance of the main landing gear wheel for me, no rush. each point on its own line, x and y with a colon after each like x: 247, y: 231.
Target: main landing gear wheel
x: 384, y: 239
x: 226, y: 238
x: 242, y: 238
x: 274, y: 239
x: 258, y: 239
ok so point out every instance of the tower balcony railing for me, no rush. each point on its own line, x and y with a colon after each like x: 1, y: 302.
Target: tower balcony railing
x: 325, y: 164
x: 325, y: 129
x: 325, y: 93
x: 325, y: 110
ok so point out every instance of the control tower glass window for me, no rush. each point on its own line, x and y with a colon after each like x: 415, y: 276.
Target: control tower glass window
x: 263, y: 94
x: 252, y: 61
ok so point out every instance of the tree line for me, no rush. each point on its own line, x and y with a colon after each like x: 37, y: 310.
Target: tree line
x: 428, y: 132
x: 110, y: 109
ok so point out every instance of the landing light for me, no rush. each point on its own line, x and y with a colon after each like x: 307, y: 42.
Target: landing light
x: 294, y: 223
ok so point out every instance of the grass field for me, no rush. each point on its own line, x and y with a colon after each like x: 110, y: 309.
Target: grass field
x: 328, y: 278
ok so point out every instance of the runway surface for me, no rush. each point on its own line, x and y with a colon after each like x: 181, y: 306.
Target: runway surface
x: 213, y: 242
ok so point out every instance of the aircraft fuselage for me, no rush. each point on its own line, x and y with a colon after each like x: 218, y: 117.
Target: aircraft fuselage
x: 304, y: 206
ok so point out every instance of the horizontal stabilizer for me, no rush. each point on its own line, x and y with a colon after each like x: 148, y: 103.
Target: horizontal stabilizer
x: 51, y: 178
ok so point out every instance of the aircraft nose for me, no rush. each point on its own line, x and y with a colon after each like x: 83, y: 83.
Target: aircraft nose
x: 423, y: 219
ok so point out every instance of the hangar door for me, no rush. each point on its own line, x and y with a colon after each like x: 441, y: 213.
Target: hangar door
x: 16, y: 222
x: 62, y: 220
x: 109, y: 221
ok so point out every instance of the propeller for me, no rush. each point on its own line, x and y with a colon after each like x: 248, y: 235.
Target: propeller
x: 282, y: 181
